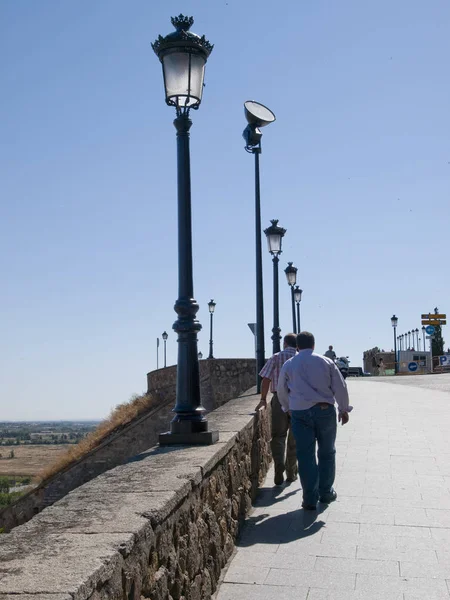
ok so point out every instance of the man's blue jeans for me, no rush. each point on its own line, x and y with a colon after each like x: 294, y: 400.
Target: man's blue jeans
x: 316, y: 423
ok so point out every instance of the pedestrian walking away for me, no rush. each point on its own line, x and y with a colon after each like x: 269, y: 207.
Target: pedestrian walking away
x: 282, y: 444
x: 330, y: 353
x: 308, y: 387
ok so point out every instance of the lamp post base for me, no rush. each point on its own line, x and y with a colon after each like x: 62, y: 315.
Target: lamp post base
x: 202, y: 438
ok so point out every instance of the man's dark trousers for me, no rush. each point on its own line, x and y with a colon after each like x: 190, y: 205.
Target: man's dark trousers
x: 308, y: 426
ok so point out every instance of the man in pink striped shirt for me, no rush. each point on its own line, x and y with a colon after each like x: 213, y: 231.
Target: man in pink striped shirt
x: 284, y: 459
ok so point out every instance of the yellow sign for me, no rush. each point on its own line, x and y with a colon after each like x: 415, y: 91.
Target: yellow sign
x: 432, y: 317
x: 431, y: 322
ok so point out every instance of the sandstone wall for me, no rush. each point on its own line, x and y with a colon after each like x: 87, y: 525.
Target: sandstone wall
x: 158, y: 528
x: 221, y: 379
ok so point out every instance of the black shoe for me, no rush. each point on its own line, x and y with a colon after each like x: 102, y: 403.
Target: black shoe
x: 278, y: 479
x: 329, y: 498
x: 291, y: 478
x: 309, y: 506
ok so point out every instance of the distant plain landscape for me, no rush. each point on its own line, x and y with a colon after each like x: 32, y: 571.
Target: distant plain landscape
x: 28, y: 448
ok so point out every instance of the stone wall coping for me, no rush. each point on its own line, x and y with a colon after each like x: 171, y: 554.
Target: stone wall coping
x: 208, y: 361
x: 72, y: 548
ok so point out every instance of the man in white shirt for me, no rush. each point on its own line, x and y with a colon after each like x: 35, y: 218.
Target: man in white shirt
x: 308, y: 386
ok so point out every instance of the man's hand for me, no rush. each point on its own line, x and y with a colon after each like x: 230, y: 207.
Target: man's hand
x: 344, y: 417
x: 262, y: 404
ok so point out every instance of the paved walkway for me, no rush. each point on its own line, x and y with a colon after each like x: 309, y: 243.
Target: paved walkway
x: 387, y: 537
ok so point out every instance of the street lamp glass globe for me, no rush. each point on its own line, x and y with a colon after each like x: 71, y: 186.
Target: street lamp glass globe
x: 298, y: 294
x: 183, y: 78
x: 200, y: 355
x: 394, y: 321
x: 291, y: 274
x: 274, y: 236
x: 164, y: 335
x: 211, y: 306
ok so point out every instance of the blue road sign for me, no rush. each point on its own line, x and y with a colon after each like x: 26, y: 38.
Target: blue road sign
x: 430, y: 330
x: 413, y: 366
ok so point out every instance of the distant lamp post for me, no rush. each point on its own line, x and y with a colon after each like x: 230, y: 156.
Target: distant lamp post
x: 291, y: 276
x: 211, y: 306
x: 409, y: 340
x: 417, y: 337
x: 183, y: 55
x: 164, y: 336
x: 257, y: 116
x: 298, y: 298
x: 423, y: 337
x: 394, y: 321
x: 200, y: 356
x: 275, y: 235
x: 157, y: 353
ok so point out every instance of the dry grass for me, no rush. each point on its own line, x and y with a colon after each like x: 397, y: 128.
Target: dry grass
x: 29, y: 459
x: 119, y: 417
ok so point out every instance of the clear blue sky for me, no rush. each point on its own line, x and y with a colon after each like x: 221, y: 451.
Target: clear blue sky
x: 356, y: 167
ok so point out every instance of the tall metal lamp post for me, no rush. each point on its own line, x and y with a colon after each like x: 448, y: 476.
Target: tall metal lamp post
x: 417, y: 338
x: 211, y: 306
x: 394, y: 321
x: 291, y: 276
x: 183, y: 55
x: 164, y: 336
x: 298, y: 298
x: 275, y: 235
x: 423, y: 337
x: 257, y: 116
x: 409, y: 340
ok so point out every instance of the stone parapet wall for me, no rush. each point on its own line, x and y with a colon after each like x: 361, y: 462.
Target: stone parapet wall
x: 222, y: 379
x: 161, y: 527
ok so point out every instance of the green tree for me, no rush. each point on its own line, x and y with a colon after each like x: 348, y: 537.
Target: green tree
x: 4, y: 485
x: 438, y: 341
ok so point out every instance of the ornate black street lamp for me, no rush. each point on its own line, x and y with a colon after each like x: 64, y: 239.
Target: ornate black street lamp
x: 211, y: 306
x: 409, y: 340
x: 416, y: 331
x: 298, y: 298
x: 183, y: 55
x: 291, y: 276
x: 423, y: 336
x: 275, y: 236
x: 394, y: 321
x: 200, y: 355
x: 164, y: 336
x: 257, y: 116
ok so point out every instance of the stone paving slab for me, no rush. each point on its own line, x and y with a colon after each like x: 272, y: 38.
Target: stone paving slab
x: 387, y: 537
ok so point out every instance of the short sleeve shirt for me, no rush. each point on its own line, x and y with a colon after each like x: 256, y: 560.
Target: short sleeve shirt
x: 271, y: 370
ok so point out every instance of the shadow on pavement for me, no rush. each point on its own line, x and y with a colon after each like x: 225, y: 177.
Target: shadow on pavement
x: 281, y: 528
x: 270, y: 496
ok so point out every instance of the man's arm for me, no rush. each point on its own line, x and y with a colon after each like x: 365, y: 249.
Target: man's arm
x: 283, y: 389
x: 265, y: 386
x: 340, y: 391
